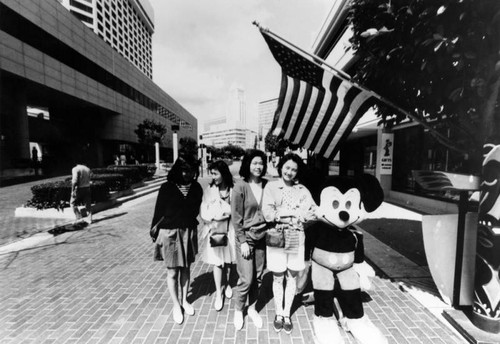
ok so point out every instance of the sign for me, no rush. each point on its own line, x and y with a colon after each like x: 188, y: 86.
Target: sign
x: 385, y: 156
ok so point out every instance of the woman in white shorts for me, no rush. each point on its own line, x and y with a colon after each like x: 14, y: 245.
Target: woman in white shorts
x: 215, y: 211
x: 287, y: 204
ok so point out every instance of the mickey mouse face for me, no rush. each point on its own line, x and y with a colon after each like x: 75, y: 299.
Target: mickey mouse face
x: 340, y: 209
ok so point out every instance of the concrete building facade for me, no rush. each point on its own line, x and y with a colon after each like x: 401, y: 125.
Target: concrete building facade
x: 266, y: 110
x: 126, y: 25
x: 93, y: 96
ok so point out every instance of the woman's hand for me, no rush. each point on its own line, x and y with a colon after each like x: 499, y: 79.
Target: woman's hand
x: 245, y: 250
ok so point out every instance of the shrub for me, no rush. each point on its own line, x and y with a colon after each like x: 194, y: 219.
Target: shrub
x: 114, y: 181
x: 134, y: 173
x: 57, y: 194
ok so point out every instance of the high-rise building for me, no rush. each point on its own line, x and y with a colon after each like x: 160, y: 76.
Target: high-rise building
x: 236, y: 115
x: 126, y: 25
x: 266, y: 112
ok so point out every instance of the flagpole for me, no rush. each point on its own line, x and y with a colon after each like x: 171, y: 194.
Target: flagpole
x: 343, y: 75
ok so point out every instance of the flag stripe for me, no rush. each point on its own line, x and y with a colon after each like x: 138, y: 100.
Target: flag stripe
x: 344, y: 116
x: 316, y: 109
x: 310, y: 121
x: 281, y: 101
x: 361, y: 104
x: 291, y: 117
x: 337, y: 88
x: 305, y: 109
x: 287, y: 85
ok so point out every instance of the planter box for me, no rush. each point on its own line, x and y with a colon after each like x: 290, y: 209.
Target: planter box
x: 66, y: 213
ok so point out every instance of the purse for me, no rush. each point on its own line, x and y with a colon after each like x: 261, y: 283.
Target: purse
x: 218, y: 235
x: 218, y: 240
x: 155, y: 230
x: 275, y: 237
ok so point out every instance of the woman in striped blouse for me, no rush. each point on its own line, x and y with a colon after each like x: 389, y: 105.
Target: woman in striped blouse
x: 176, y: 210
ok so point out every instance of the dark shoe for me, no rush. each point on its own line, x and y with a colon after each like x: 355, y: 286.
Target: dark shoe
x: 278, y: 323
x: 287, y: 325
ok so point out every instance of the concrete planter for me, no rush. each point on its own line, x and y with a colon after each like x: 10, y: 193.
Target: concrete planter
x: 66, y: 213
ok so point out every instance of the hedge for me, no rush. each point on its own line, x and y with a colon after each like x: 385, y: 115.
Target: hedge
x: 57, y: 194
x: 114, y: 181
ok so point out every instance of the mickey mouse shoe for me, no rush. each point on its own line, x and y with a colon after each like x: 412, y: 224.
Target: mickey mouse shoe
x: 326, y: 331
x: 365, y: 331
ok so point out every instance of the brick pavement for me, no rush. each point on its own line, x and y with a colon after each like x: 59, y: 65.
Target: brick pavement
x: 15, y: 228
x: 100, y: 285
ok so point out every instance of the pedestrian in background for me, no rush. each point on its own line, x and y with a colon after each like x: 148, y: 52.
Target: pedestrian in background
x: 176, y: 210
x: 80, y: 190
x: 218, y: 231
x: 286, y: 205
x: 250, y: 229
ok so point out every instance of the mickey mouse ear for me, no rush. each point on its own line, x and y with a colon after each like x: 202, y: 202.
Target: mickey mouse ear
x: 373, y: 195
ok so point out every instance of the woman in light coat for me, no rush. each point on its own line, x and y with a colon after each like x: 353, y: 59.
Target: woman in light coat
x: 215, y: 210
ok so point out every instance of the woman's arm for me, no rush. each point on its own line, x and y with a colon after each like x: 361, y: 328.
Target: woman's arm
x: 269, y: 208
x: 205, y: 212
x: 161, y: 204
x: 238, y: 212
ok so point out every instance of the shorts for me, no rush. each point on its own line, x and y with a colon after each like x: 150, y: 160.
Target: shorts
x: 279, y: 261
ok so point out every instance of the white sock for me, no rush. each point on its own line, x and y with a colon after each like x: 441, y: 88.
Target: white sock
x: 291, y: 287
x: 278, y: 294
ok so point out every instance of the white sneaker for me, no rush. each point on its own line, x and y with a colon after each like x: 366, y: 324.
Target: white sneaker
x: 228, y: 292
x: 238, y: 320
x: 219, y: 303
x: 188, y: 308
x: 256, y: 318
x: 177, y: 314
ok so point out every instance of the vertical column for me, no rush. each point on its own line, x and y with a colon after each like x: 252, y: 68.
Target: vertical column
x: 14, y: 128
x: 385, y: 157
x: 486, y: 306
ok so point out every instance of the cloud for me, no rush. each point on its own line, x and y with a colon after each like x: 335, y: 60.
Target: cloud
x: 201, y: 48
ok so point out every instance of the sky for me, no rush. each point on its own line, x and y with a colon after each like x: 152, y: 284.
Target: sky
x: 202, y: 49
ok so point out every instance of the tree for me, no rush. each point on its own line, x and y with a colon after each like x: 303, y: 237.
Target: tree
x: 148, y: 133
x: 439, y: 59
x: 233, y: 151
x: 274, y: 144
x: 188, y: 146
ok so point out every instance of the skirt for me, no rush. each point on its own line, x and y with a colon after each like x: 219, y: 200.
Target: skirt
x: 218, y: 255
x: 176, y: 247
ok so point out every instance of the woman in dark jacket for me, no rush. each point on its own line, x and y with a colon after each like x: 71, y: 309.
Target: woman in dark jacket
x: 176, y: 210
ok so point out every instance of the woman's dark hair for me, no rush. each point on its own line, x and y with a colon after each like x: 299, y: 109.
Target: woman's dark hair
x: 247, y: 159
x: 222, y: 167
x: 295, y: 158
x: 175, y: 173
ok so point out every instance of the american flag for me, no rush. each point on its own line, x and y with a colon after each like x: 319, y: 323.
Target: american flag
x: 316, y: 108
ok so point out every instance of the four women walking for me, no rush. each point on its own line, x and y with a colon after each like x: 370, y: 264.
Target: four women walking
x: 236, y: 218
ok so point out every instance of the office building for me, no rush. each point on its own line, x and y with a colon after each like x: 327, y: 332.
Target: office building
x: 126, y: 25
x: 91, y: 97
x: 266, y: 112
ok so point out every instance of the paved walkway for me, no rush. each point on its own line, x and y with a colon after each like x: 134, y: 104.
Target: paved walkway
x: 100, y: 285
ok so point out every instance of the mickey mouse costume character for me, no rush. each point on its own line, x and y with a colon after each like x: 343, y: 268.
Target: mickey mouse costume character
x: 338, y: 254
